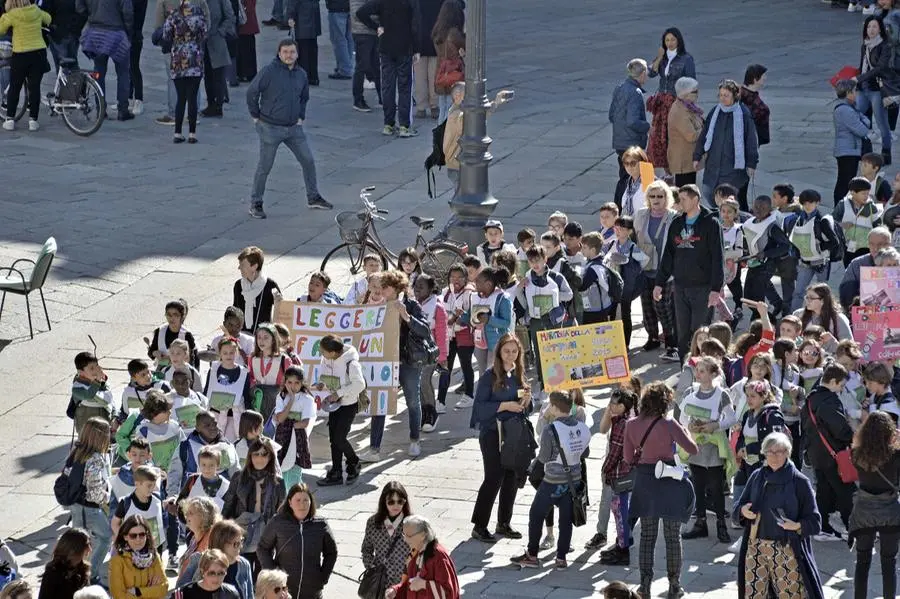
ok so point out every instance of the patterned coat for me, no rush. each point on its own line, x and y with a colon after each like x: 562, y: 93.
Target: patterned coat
x: 186, y: 30
x: 375, y: 545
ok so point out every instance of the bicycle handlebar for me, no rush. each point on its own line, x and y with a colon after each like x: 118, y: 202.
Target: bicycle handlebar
x: 380, y: 211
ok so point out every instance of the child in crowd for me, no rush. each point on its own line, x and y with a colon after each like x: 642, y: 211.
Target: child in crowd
x: 505, y: 261
x: 857, y: 214
x: 185, y: 402
x: 621, y: 406
x: 557, y: 262
x: 144, y: 502
x: 526, y: 239
x: 609, y: 212
x: 786, y: 376
x: 811, y: 360
x: 341, y: 373
x: 140, y: 383
x: 408, y: 261
x: 122, y: 482
x: 853, y: 397
x: 457, y: 298
x: 870, y: 167
x: 18, y: 588
x: 599, y: 284
x: 284, y: 341
x: 546, y: 294
x: 814, y: 238
x: 629, y: 261
x: 490, y: 315
x: 158, y: 346
x: 877, y: 379
x: 619, y: 590
x: 375, y: 292
x: 733, y: 240
x: 232, y: 326
x: 790, y: 327
x: 787, y: 211
x: 761, y: 368
x: 572, y: 246
x: 207, y: 481
x: 186, y: 461
x: 154, y: 424
x: 707, y: 412
x: 90, y: 395
x: 556, y: 223
x: 267, y: 366
x: 727, y: 191
x: 178, y: 360
x: 473, y: 265
x: 295, y: 415
x: 494, y: 242
x: 433, y: 308
x: 318, y: 290
x: 371, y: 264
x: 228, y: 387
x: 250, y: 428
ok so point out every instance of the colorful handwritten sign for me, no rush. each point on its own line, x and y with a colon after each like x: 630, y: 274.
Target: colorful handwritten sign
x: 583, y: 356
x: 374, y: 331
x: 879, y: 286
x: 877, y: 330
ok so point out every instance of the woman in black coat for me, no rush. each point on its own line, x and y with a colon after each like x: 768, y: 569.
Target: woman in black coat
x: 874, y: 65
x: 299, y: 543
x: 306, y: 19
x: 69, y: 568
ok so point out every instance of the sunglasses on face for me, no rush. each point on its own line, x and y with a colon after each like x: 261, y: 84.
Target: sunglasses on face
x: 656, y: 197
x: 629, y: 162
x: 216, y: 573
x: 134, y: 536
x: 278, y: 590
x: 810, y: 352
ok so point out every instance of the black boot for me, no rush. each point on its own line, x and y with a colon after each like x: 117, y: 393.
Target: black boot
x: 334, y: 477
x: 482, y: 534
x: 722, y: 531
x: 618, y: 557
x: 699, y: 531
x: 352, y: 472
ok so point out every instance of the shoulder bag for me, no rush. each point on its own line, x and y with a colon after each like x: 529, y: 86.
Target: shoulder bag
x: 846, y: 469
x: 624, y: 484
x: 579, y: 497
x: 373, y: 582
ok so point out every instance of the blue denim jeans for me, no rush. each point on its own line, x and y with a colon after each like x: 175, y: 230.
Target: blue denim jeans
x: 867, y: 98
x: 123, y: 79
x: 376, y: 432
x: 341, y: 42
x: 549, y: 494
x: 805, y: 276
x: 445, y: 101
x: 410, y: 377
x: 272, y: 136
x: 94, y: 521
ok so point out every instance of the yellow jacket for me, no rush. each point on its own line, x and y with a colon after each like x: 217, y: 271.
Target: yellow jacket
x: 453, y: 130
x: 26, y: 23
x: 123, y: 576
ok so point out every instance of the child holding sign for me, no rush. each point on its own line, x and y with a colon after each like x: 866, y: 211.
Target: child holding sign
x: 228, y: 388
x: 295, y: 413
x: 186, y: 403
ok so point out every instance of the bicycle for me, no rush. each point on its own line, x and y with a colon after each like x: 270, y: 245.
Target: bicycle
x: 76, y: 95
x: 360, y: 238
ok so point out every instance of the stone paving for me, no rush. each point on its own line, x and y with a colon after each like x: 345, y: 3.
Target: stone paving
x: 140, y: 221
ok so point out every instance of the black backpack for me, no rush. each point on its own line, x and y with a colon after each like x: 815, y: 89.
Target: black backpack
x: 436, y: 158
x: 615, y: 284
x: 837, y: 254
x: 69, y: 485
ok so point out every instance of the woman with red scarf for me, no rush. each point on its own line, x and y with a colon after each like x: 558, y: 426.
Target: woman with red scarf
x: 430, y: 573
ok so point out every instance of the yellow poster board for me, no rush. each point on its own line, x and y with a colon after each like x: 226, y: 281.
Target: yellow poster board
x: 374, y: 330
x: 584, y: 356
x: 647, y: 175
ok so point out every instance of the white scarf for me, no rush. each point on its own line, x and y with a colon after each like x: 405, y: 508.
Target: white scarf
x: 737, y: 124
x: 670, y: 56
x: 251, y: 291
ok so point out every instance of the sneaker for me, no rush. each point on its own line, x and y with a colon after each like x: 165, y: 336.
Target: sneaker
x: 852, y: 7
x: 415, y: 450
x: 9, y: 125
x: 722, y: 532
x: 700, y: 530
x: 172, y: 564
x: 736, y: 546
x: 525, y: 561
x: 138, y: 107
x: 352, y: 472
x: 560, y: 564
x: 830, y: 535
x: 406, y: 132
x: 318, y: 203
x: 651, y: 345
x: 440, y: 408
x: 33, y: 125
x: 368, y: 84
x: 256, y: 210
x: 165, y: 120
x: 616, y: 557
x: 371, y: 456
x: 427, y: 428
x: 671, y: 355
x: 361, y: 106
x: 464, y: 402
x: 331, y: 481
x: 548, y: 542
x: 596, y: 542
x: 868, y: 10
x: 388, y: 130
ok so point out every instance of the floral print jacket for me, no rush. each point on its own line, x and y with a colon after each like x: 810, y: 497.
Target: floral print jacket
x: 186, y: 28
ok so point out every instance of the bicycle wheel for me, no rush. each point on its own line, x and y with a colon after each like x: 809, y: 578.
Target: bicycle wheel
x: 344, y: 264
x: 85, y: 116
x: 20, y: 109
x: 437, y: 259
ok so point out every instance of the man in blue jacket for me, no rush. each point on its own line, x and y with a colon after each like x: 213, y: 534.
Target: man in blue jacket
x: 277, y: 99
x: 629, y: 118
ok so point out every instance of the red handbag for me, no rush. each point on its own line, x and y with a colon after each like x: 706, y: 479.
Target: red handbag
x: 846, y: 469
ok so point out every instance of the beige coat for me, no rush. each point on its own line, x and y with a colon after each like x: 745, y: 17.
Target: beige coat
x: 684, y: 129
x: 452, y: 132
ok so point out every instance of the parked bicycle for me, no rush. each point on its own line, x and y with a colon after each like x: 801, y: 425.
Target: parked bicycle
x: 76, y: 96
x: 360, y: 238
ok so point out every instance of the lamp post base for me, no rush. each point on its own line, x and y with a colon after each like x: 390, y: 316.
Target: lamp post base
x: 470, y: 212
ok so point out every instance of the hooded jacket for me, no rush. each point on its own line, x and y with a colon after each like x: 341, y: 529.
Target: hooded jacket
x: 26, y: 25
x: 349, y: 370
x: 305, y: 550
x: 278, y: 94
x: 693, y: 255
x: 832, y: 423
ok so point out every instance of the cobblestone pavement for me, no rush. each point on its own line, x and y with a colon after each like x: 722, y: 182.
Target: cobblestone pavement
x: 140, y: 221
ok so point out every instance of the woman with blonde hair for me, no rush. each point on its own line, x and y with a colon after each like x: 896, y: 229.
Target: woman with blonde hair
x: 213, y: 568
x: 684, y: 125
x: 272, y: 584
x: 200, y: 514
x: 651, y: 225
x: 633, y: 196
x: 29, y: 58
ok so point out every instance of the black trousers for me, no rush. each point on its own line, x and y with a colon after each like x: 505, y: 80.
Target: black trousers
x: 712, y: 479
x: 214, y: 82
x: 846, y: 170
x: 368, y: 65
x: 308, y: 58
x: 736, y: 287
x: 685, y: 179
x: 496, y: 481
x: 465, y: 364
x: 833, y: 495
x: 26, y: 69
x: 339, y: 423
x: 887, y: 550
x: 758, y: 286
x: 246, y: 57
x: 592, y: 317
x: 622, y: 183
x: 186, y: 88
x: 137, y: 78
